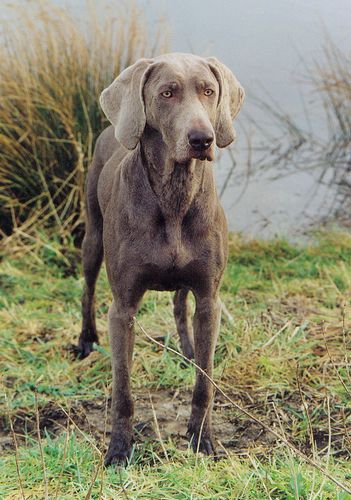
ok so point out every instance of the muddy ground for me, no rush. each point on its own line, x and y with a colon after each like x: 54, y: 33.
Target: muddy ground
x: 163, y: 414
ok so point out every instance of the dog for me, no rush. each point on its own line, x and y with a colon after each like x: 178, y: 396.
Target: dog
x: 153, y: 213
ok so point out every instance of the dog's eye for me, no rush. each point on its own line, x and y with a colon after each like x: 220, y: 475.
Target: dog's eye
x: 167, y: 94
x: 208, y: 92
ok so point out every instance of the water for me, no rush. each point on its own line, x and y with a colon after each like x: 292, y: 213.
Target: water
x: 266, y: 44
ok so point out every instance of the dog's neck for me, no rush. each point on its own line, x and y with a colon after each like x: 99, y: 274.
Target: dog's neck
x: 174, y: 184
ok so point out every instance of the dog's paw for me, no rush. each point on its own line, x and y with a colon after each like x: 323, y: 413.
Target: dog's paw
x: 202, y: 442
x: 188, y: 350
x: 118, y: 459
x: 118, y: 455
x: 84, y: 349
x: 80, y: 351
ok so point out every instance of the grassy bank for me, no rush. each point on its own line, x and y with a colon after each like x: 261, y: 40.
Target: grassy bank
x: 284, y: 358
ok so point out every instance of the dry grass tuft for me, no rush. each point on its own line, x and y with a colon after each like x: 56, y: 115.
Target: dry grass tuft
x: 52, y: 70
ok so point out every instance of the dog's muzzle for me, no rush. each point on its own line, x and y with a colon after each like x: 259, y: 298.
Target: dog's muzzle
x: 200, y: 143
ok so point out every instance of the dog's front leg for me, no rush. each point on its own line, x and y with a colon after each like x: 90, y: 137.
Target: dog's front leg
x: 122, y: 343
x: 206, y: 327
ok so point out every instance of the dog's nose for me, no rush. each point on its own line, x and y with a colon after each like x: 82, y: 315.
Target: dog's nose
x: 200, y: 140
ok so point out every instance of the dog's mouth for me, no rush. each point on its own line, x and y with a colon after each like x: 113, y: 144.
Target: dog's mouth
x: 206, y: 154
x: 193, y: 154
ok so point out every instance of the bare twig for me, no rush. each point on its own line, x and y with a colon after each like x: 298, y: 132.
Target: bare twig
x: 226, y: 313
x: 333, y: 363
x: 41, y: 446
x: 63, y: 461
x: 344, y: 340
x: 104, y: 439
x: 328, y: 450
x: 289, y: 452
x: 276, y: 335
x: 79, y: 430
x: 310, y: 428
x: 229, y: 174
x: 16, y: 448
x: 157, y: 427
x: 259, y: 476
x: 291, y: 148
x: 98, y: 467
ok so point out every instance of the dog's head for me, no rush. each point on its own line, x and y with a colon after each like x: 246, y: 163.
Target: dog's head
x: 191, y: 101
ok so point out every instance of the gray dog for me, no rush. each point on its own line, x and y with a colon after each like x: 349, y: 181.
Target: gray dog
x: 154, y: 213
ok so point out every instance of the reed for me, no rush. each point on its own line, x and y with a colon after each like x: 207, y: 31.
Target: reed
x: 53, y: 67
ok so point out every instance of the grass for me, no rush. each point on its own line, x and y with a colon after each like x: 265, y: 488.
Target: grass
x: 285, y: 359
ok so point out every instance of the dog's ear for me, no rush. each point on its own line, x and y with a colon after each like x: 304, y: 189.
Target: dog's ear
x: 122, y: 102
x: 230, y: 100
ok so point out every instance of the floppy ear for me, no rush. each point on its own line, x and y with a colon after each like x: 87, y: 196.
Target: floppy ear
x: 122, y: 102
x: 230, y: 101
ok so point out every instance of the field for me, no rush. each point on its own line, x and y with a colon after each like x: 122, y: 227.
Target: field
x: 282, y: 408
x: 283, y: 357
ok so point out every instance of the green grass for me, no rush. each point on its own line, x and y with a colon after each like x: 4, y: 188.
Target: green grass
x: 71, y: 464
x: 298, y: 380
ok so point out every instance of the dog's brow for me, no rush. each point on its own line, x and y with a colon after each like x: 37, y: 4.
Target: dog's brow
x: 205, y: 84
x: 172, y: 85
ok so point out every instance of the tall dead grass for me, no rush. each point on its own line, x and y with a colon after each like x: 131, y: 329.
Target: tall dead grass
x: 52, y: 68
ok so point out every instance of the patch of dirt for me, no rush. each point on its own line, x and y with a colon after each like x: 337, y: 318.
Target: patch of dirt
x: 51, y: 418
x: 161, y: 411
x: 44, y: 335
x: 167, y: 411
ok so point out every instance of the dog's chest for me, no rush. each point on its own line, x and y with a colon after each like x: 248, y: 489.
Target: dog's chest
x: 173, y: 249
x: 172, y: 254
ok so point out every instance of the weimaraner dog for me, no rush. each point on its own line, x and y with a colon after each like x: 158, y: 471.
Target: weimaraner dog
x: 154, y: 214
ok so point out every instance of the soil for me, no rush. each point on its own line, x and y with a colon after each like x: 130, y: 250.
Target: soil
x: 164, y: 413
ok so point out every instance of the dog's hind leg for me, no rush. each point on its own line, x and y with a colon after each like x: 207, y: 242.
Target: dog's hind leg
x: 92, y: 255
x: 183, y: 322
